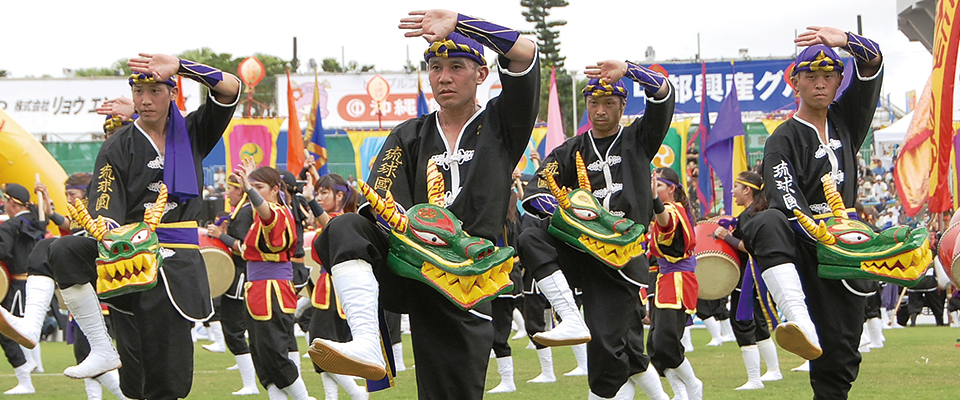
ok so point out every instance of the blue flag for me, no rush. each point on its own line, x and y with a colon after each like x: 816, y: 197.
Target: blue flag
x: 318, y: 141
x: 719, y: 146
x: 422, y: 107
x: 705, y: 181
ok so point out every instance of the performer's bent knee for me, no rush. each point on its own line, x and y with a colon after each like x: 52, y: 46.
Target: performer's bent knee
x: 73, y: 260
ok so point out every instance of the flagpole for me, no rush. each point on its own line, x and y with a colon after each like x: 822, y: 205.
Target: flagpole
x: 573, y: 90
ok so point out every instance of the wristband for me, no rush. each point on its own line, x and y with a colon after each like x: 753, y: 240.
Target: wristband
x: 228, y: 240
x: 545, y: 205
x: 862, y: 48
x: 255, y: 198
x: 56, y: 218
x: 315, y: 207
x: 732, y: 241
x: 498, y: 38
x: 206, y: 75
x: 651, y: 80
x: 658, y: 206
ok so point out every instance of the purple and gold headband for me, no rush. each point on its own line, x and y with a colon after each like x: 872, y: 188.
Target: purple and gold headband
x: 818, y: 58
x: 456, y: 45
x: 598, y: 87
x: 145, y: 78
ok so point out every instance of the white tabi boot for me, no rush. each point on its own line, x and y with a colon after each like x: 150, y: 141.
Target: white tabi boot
x: 274, y: 393
x: 626, y: 392
x: 805, y: 367
x: 798, y: 335
x: 295, y: 357
x: 713, y: 326
x: 26, y: 330
x: 768, y: 352
x: 571, y: 330
x: 355, y: 391
x: 248, y: 375
x: 358, y: 291
x: 875, y: 328
x: 580, y: 353
x: 111, y: 381
x: 505, y: 368
x: 692, y: 385
x: 215, y: 333
x: 398, y: 357
x: 676, y: 384
x: 521, y: 325
x: 649, y: 382
x: 297, y: 390
x: 751, y: 359
x: 686, y: 340
x: 546, y: 367
x: 82, y: 302
x: 37, y: 358
x: 330, y: 389
x: 24, y: 382
x: 726, y: 331
x: 93, y: 389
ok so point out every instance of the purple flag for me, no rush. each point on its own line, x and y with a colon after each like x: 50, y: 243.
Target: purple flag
x: 719, y: 146
x: 705, y: 177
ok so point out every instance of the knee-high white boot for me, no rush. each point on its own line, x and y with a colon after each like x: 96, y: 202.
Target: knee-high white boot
x: 626, y: 392
x: 355, y: 391
x: 649, y: 382
x: 505, y: 368
x: 24, y: 381
x: 295, y: 357
x: 768, y: 352
x: 692, y: 385
x: 275, y: 393
x: 580, y: 353
x: 798, y: 335
x: 93, y: 389
x: 26, y: 330
x: 751, y: 359
x: 215, y: 333
x: 82, y: 302
x: 875, y: 328
x: 247, y: 374
x: 571, y: 330
x: 521, y: 325
x: 676, y: 385
x: 805, y: 367
x: 330, y: 389
x: 726, y: 331
x: 398, y: 357
x: 864, y: 339
x: 111, y: 381
x: 297, y: 390
x: 358, y: 291
x: 546, y: 367
x: 713, y: 326
x: 686, y: 340
x: 37, y: 357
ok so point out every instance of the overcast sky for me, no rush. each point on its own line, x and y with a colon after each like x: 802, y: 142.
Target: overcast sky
x: 43, y: 37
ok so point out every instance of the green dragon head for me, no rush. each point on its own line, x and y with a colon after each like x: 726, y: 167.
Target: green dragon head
x: 129, y: 255
x: 582, y: 222
x: 427, y: 244
x: 849, y: 249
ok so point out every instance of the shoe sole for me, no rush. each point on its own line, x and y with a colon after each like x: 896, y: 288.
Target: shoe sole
x: 93, y: 375
x: 334, y: 362
x: 9, y: 331
x: 790, y: 338
x: 560, y: 342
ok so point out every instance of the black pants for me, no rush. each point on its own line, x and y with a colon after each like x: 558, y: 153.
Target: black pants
x: 606, y: 295
x: 270, y: 345
x: 154, y: 341
x: 666, y: 329
x: 451, y: 346
x: 234, y: 323
x: 749, y: 332
x: 393, y: 326
x: 502, y: 321
x: 38, y: 260
x: 13, y: 302
x: 934, y: 299
x: 713, y: 308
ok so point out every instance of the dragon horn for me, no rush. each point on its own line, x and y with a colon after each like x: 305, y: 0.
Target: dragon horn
x: 559, y: 193
x: 819, y: 232
x: 833, y: 197
x: 435, y: 185
x: 582, y: 179
x: 384, y: 207
x: 78, y: 211
x: 151, y: 216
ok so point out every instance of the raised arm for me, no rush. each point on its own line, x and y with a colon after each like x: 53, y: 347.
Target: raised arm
x: 654, y: 84
x: 256, y: 200
x: 224, y: 86
x: 866, y: 51
x: 434, y: 25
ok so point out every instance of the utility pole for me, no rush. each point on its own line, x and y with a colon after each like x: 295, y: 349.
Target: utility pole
x: 295, y: 63
x: 573, y: 89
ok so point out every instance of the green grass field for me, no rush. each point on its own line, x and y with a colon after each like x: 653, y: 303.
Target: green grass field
x: 916, y: 363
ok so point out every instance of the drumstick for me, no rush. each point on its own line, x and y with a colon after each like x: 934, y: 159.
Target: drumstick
x: 40, y: 214
x: 897, y: 307
x: 519, y: 185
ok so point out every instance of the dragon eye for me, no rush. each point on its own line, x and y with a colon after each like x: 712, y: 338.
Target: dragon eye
x: 140, y: 236
x: 429, y: 237
x: 584, y: 214
x: 853, y: 237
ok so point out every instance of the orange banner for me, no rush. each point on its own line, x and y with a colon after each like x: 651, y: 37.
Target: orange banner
x: 945, y: 44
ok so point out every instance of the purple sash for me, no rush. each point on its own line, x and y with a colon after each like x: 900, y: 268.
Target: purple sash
x: 263, y: 270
